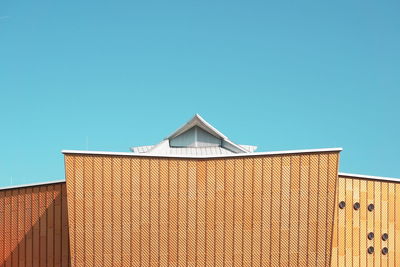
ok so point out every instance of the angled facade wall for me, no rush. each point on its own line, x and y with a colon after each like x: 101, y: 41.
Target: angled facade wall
x: 243, y: 211
x: 34, y: 226
x: 352, y: 226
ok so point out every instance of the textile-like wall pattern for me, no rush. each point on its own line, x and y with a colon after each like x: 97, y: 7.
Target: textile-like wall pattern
x: 352, y: 226
x: 34, y: 226
x: 274, y: 210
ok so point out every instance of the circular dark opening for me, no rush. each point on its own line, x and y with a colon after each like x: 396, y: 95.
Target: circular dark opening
x: 356, y: 206
x: 371, y: 207
x: 371, y: 236
x: 385, y: 251
x: 371, y: 250
x: 385, y: 237
x: 342, y: 204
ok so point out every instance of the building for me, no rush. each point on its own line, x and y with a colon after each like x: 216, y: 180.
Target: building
x: 197, y: 198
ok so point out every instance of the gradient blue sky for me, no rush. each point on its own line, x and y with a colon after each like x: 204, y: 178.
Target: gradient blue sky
x: 281, y: 75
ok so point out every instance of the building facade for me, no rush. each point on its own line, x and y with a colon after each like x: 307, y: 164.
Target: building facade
x: 198, y: 199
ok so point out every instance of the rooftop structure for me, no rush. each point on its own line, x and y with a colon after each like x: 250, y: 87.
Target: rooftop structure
x: 196, y: 137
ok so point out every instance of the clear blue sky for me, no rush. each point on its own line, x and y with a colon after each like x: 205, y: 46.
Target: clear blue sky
x: 280, y: 75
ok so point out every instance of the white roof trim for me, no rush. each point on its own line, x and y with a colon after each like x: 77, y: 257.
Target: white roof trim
x: 30, y: 185
x: 201, y: 156
x: 235, y: 145
x: 369, y: 177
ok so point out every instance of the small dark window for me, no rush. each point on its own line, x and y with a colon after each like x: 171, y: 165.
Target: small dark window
x: 371, y: 236
x: 371, y: 250
x: 342, y: 204
x: 385, y: 251
x: 385, y: 237
x: 371, y: 207
x: 356, y: 206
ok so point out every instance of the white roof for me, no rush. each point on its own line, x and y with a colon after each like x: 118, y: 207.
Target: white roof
x: 225, y: 147
x: 141, y: 149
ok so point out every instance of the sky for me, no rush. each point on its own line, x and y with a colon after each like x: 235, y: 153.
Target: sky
x: 282, y: 75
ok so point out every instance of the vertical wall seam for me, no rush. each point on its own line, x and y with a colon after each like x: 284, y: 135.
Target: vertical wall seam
x: 280, y: 211
x: 17, y: 248
x: 252, y: 211
x: 359, y: 225
x: 381, y: 221
x: 74, y: 219
x: 30, y: 222
x: 336, y: 196
x: 206, y: 212
x: 3, y: 219
x: 327, y: 208
x: 318, y: 200
x: 262, y: 211
x: 215, y: 209
x: 47, y: 223
x: 52, y: 205
x: 54, y: 227
x: 102, y: 208
x: 158, y: 211
x: 243, y: 206
x: 17, y: 232
x: 187, y: 210
x: 234, y: 213
x: 168, y: 211
x: 93, y: 217
x: 290, y: 205
x: 24, y: 226
x: 62, y: 226
x: 308, y: 208
x: 270, y: 205
x: 112, y: 208
x: 177, y: 210
x: 122, y: 244
x: 224, y: 218
x: 374, y: 215
x: 196, y: 212
x: 140, y: 210
x: 149, y: 211
x: 130, y: 211
x: 298, y: 210
x: 84, y: 209
x: 382, y: 257
x: 352, y: 218
x: 395, y: 225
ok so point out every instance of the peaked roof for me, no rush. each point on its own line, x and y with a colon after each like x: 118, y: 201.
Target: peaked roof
x: 197, y: 120
x: 226, y: 146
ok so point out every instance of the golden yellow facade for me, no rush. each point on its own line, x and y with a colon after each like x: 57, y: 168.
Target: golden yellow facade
x: 270, y: 210
x: 352, y: 241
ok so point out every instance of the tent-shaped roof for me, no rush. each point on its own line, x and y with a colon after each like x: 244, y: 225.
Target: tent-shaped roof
x: 196, y: 137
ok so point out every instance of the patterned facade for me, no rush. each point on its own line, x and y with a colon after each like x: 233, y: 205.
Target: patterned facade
x: 198, y: 199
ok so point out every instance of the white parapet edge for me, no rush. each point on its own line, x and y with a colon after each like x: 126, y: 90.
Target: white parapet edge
x: 368, y: 177
x: 84, y: 152
x: 33, y: 184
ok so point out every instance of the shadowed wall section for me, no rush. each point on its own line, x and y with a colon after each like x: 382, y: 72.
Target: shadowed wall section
x: 352, y: 226
x: 241, y: 211
x: 34, y: 226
